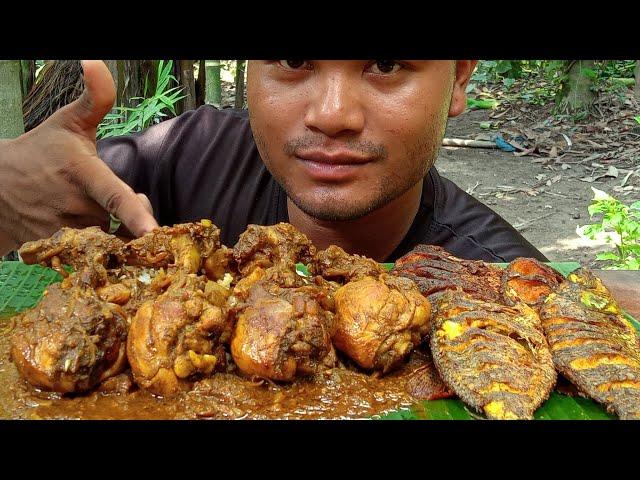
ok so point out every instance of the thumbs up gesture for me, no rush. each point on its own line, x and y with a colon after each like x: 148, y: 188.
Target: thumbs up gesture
x: 52, y: 177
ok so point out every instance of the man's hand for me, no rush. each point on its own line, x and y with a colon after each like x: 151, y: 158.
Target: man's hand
x: 52, y: 176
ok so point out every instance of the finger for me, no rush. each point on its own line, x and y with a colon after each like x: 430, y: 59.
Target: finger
x: 85, y: 114
x: 85, y: 212
x: 145, y: 201
x: 117, y: 197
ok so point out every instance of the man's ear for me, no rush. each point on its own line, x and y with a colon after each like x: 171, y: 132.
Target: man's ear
x: 464, y: 70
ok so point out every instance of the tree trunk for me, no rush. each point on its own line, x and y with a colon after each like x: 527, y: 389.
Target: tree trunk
x: 149, y: 75
x: 186, y: 79
x: 636, y: 89
x: 131, y: 78
x: 120, y: 83
x: 213, y: 94
x: 28, y: 76
x: 201, y: 83
x: 133, y: 84
x: 112, y: 65
x: 11, y: 123
x: 113, y: 68
x: 239, y: 101
x: 576, y: 96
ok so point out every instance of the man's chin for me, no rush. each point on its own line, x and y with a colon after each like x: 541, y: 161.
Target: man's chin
x: 333, y: 209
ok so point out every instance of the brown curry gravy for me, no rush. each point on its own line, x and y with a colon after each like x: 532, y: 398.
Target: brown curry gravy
x: 337, y: 393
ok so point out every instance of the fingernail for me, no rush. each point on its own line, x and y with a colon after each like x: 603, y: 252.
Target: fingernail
x: 150, y: 227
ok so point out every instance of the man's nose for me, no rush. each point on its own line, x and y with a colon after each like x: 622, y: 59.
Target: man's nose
x: 335, y: 108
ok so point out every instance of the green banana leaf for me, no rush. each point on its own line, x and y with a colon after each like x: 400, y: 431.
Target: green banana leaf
x: 22, y: 286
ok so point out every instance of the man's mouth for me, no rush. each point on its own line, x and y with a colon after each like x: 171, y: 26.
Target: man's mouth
x: 333, y: 158
x: 338, y: 166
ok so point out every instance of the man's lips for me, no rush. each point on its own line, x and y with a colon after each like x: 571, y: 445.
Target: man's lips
x: 332, y: 167
x: 333, y: 158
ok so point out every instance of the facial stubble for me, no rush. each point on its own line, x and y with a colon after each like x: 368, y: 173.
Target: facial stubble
x: 323, y: 206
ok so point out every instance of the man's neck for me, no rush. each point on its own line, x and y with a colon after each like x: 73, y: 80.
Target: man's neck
x: 375, y: 235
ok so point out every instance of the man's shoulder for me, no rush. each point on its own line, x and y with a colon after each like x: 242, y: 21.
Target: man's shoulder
x: 208, y: 111
x: 469, y: 228
x: 208, y: 124
x: 190, y: 132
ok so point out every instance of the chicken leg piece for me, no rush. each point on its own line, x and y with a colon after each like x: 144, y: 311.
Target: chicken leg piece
x: 337, y: 265
x: 379, y: 320
x: 282, y: 333
x: 179, y: 336
x: 189, y: 247
x: 71, y: 341
x: 261, y: 246
x: 89, y: 250
x: 284, y: 324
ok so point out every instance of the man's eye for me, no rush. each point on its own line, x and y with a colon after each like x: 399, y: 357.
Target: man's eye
x: 294, y: 64
x: 384, y: 67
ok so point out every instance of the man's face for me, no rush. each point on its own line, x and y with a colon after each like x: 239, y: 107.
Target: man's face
x: 345, y: 138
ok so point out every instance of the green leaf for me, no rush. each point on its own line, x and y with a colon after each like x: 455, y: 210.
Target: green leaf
x: 589, y: 231
x: 607, y: 256
x: 149, y: 110
x: 616, y: 219
x: 637, y: 119
x: 481, y: 104
x: 634, y: 248
x: 503, y: 66
x: 632, y: 264
x: 595, y: 208
x: 22, y: 286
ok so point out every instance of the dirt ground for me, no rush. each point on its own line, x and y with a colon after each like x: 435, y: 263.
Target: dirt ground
x: 549, y: 218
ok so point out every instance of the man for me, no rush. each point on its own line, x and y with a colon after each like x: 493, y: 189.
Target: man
x: 343, y: 150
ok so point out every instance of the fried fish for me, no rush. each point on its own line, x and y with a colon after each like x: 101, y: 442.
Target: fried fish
x: 593, y: 344
x: 494, y: 357
x: 435, y: 271
x: 529, y: 281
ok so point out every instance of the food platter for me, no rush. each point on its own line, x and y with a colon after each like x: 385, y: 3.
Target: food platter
x: 557, y: 407
x: 22, y: 286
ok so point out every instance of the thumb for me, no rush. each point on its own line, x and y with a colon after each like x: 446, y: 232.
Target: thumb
x: 85, y: 114
x: 117, y: 198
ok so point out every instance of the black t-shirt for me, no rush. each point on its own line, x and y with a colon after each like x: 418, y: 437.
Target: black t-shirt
x: 205, y: 164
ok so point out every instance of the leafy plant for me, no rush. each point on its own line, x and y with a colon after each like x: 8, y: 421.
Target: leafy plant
x: 39, y: 66
x: 620, y: 227
x: 539, y: 82
x: 151, y: 109
x: 499, y: 70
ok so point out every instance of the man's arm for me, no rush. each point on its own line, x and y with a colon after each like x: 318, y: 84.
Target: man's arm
x: 52, y: 175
